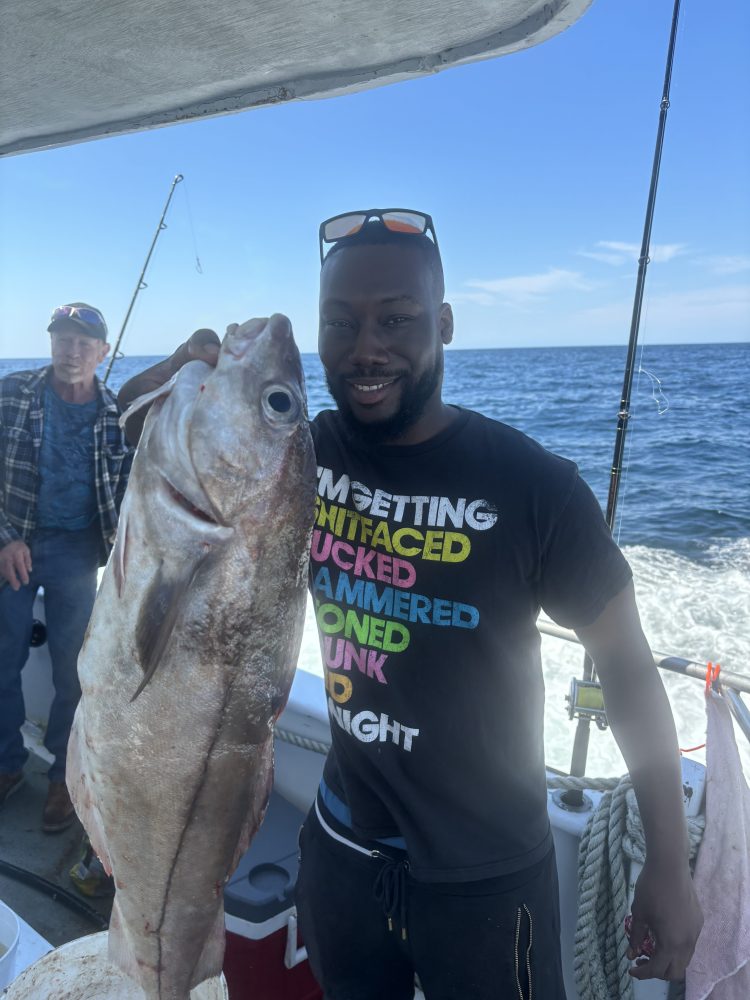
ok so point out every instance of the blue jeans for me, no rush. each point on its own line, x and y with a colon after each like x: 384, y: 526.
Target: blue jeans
x: 65, y: 563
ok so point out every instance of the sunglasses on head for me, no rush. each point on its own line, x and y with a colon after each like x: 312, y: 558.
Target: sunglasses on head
x: 90, y: 316
x: 397, y: 220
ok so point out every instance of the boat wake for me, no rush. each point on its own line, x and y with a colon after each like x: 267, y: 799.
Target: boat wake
x: 697, y: 610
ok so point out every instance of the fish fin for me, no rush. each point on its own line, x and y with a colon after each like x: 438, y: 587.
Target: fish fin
x: 120, y: 553
x: 122, y: 953
x: 157, y: 617
x: 79, y: 786
x: 261, y: 796
x: 147, y: 398
x: 212, y: 957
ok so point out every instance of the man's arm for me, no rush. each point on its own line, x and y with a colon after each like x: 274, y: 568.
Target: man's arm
x: 15, y: 555
x: 642, y: 723
x: 203, y: 345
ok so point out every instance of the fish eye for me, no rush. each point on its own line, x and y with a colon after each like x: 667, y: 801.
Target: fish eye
x: 280, y: 404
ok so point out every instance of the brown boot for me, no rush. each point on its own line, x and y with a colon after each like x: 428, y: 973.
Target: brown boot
x: 58, y: 809
x: 9, y: 783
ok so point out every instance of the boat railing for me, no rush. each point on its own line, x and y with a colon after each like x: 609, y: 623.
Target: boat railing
x: 733, y: 685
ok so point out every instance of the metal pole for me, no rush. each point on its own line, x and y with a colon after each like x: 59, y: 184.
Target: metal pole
x: 643, y: 262
x: 581, y: 742
x: 141, y: 284
x: 664, y: 661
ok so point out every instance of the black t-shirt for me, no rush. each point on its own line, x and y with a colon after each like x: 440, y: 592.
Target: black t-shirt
x: 429, y: 565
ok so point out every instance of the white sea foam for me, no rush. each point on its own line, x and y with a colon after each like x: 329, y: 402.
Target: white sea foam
x: 695, y: 610
x: 690, y: 609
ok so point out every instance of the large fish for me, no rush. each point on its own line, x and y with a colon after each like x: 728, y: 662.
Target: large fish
x: 191, y: 649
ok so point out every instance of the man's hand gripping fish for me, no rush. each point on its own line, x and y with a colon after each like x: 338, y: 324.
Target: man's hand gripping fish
x: 191, y: 650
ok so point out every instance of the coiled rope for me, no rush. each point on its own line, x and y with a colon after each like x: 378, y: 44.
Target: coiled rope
x: 613, y: 830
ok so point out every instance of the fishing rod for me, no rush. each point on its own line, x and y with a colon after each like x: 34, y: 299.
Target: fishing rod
x: 581, y: 741
x: 141, y: 284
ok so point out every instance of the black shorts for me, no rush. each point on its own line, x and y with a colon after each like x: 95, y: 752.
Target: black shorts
x: 369, y: 927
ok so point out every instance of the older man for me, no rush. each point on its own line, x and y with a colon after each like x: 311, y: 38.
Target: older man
x: 64, y: 463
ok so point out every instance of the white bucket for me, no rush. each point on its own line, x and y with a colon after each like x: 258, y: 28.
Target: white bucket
x: 80, y: 970
x: 9, y: 932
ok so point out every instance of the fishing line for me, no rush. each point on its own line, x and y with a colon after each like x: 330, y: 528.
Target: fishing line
x: 657, y: 393
x: 198, y: 265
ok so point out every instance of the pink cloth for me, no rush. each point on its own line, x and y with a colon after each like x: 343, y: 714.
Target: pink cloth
x: 720, y: 968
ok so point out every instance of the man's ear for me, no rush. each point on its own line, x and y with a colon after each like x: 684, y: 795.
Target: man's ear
x: 446, y: 323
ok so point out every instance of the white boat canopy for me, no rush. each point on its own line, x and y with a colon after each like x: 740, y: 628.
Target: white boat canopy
x: 84, y: 69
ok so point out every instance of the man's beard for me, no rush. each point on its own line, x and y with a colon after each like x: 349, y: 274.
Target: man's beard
x: 415, y: 395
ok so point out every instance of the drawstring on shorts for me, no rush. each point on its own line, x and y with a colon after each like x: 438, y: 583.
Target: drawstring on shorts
x: 390, y: 882
x: 390, y: 891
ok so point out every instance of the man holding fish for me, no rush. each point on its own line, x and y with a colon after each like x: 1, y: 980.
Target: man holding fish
x: 438, y: 536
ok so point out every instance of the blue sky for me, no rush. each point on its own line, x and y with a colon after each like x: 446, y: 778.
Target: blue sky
x: 534, y: 166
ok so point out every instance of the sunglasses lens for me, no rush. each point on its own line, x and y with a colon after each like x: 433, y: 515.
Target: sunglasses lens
x: 89, y: 316
x: 76, y: 312
x: 346, y: 225
x: 405, y: 222
x: 396, y: 220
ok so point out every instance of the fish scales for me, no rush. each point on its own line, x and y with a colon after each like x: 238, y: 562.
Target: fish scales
x: 191, y: 650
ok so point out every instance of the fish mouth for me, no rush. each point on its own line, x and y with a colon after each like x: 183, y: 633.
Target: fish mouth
x: 187, y: 505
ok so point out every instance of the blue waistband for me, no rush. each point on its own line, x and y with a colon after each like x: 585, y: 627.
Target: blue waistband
x: 341, y: 812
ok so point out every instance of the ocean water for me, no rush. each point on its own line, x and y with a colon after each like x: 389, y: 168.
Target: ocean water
x: 684, y: 509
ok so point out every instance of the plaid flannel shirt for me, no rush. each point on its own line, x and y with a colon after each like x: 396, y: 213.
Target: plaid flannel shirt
x: 21, y: 429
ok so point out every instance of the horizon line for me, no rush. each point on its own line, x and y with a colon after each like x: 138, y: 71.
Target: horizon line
x: 455, y: 350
